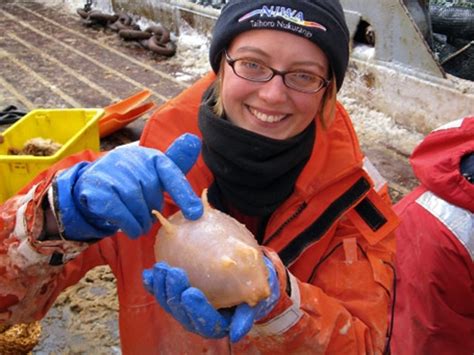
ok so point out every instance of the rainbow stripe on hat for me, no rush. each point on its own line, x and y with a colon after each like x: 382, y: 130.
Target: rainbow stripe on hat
x: 288, y: 14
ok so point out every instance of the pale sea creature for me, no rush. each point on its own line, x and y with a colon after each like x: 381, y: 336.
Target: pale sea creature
x: 219, y: 254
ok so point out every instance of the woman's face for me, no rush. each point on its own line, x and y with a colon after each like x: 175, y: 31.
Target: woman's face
x: 271, y: 108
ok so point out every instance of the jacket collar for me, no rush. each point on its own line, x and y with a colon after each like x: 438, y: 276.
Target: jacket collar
x: 336, y: 154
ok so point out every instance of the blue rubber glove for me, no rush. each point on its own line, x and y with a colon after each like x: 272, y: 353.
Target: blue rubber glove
x: 119, y: 190
x: 189, y: 306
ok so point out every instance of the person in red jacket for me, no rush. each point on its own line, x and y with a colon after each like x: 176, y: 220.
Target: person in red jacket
x: 279, y: 154
x: 434, y: 311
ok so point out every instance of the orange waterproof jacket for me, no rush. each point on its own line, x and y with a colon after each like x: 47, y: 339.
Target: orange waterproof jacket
x: 334, y: 234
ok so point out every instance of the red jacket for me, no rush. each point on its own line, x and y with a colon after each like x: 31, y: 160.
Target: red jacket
x: 435, y: 249
x: 334, y: 234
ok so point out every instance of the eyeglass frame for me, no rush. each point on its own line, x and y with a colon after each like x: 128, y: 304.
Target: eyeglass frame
x: 231, y: 61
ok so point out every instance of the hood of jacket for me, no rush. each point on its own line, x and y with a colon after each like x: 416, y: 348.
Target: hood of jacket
x: 436, y: 162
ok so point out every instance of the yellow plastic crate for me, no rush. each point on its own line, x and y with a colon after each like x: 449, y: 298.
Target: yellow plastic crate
x: 75, y: 129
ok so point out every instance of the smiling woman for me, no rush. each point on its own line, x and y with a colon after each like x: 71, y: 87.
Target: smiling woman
x: 281, y: 106
x: 266, y: 136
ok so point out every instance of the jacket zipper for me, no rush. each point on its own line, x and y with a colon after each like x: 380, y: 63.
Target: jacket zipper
x: 298, y: 211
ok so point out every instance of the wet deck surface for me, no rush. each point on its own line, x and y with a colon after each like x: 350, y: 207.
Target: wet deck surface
x: 49, y: 59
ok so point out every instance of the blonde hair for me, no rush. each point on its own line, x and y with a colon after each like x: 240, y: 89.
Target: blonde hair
x: 218, y: 107
x: 326, y: 112
x: 327, y: 109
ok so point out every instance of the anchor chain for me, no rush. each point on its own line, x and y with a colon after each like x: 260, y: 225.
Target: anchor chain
x: 154, y: 38
x: 88, y: 6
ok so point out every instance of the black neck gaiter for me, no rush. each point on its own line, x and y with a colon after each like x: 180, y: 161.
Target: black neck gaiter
x: 253, y: 173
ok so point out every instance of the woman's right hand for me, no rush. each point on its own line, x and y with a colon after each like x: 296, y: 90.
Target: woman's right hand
x: 190, y: 306
x: 119, y: 190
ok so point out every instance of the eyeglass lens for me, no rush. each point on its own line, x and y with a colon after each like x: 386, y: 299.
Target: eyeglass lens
x: 255, y: 71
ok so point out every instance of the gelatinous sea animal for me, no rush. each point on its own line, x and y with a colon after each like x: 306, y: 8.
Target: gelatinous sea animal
x: 219, y: 254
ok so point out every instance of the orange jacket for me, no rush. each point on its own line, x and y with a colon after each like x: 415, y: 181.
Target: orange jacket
x: 334, y: 235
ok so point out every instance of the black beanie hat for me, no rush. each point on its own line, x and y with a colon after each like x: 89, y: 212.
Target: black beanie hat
x: 320, y: 21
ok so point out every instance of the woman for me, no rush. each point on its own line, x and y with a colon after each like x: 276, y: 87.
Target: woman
x: 278, y: 153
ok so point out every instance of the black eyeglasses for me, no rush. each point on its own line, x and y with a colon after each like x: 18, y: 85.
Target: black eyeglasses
x: 250, y: 69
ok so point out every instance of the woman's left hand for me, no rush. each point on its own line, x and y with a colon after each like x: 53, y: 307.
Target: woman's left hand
x: 190, y: 307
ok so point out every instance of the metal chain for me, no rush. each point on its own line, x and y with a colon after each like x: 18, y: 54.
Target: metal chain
x: 88, y: 5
